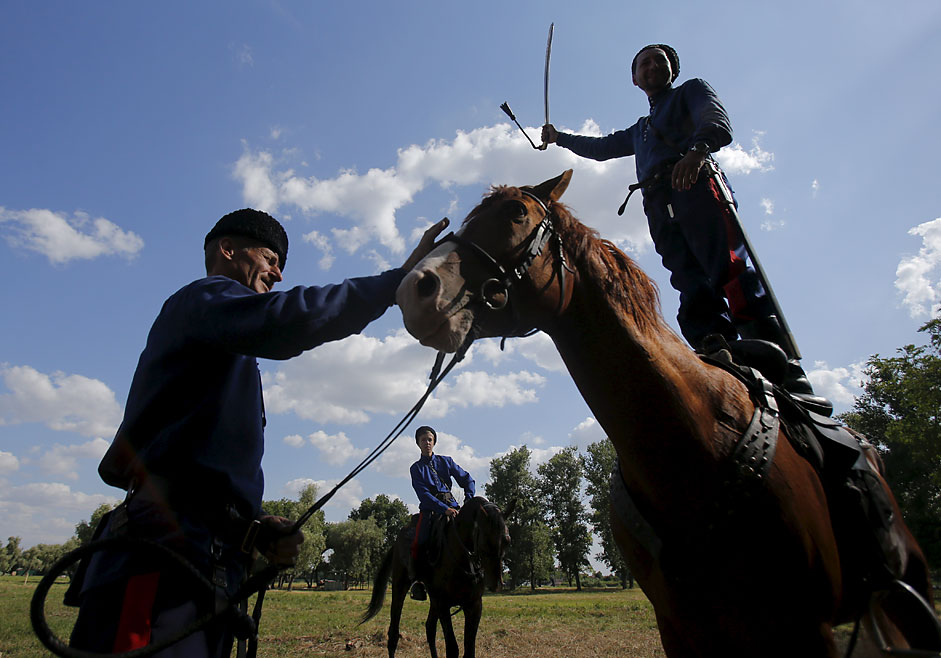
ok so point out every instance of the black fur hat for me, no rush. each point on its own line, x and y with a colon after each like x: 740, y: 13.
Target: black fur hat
x: 671, y: 55
x: 254, y: 224
x: 423, y: 429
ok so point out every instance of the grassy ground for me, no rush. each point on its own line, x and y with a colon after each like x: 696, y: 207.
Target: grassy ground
x: 309, y: 623
x: 552, y: 622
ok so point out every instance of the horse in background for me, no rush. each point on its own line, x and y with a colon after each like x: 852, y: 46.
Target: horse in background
x: 469, y: 559
x: 691, y: 507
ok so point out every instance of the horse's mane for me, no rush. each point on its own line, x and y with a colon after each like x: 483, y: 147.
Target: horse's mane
x: 616, y: 276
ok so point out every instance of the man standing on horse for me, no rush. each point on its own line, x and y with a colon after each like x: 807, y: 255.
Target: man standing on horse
x: 692, y: 228
x: 431, y: 479
x: 189, y: 449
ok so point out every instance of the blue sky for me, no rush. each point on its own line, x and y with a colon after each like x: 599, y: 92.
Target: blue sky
x: 128, y: 129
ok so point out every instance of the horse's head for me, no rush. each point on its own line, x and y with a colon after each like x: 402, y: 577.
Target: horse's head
x: 502, y: 273
x: 490, y: 540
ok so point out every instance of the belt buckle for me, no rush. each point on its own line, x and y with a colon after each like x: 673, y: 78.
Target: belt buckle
x: 248, y: 542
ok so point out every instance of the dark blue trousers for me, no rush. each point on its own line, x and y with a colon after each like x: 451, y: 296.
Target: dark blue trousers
x: 702, y: 247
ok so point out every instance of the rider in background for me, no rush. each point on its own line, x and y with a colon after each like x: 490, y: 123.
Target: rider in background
x: 431, y: 479
x: 692, y: 229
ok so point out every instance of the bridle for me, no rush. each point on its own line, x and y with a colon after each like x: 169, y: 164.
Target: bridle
x: 507, y: 277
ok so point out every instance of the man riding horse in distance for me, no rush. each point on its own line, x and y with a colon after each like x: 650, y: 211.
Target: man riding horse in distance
x: 431, y: 479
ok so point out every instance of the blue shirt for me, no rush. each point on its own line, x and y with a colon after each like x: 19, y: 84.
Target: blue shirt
x: 195, y: 413
x: 684, y: 115
x: 425, y: 485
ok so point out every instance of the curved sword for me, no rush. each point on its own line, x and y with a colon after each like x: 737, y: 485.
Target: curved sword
x: 545, y: 81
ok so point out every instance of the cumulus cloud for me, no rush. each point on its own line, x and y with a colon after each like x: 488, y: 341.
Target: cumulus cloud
x: 349, y: 380
x: 8, y: 462
x: 47, y: 512
x: 322, y: 243
x: 841, y: 385
x: 61, y: 238
x: 587, y: 432
x: 918, y: 277
x: 489, y: 155
x: 63, y: 459
x: 61, y: 402
x: 734, y: 159
x: 334, y: 448
x: 347, y: 497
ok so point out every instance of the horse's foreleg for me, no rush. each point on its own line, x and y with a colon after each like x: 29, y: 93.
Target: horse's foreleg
x: 471, y: 624
x: 399, y: 590
x: 431, y: 630
x: 447, y: 629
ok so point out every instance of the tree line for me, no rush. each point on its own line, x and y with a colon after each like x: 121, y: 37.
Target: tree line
x: 552, y: 526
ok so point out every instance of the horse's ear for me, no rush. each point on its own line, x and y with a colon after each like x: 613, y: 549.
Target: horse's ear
x: 554, y: 188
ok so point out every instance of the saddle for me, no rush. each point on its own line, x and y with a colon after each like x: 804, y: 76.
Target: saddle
x: 861, y: 511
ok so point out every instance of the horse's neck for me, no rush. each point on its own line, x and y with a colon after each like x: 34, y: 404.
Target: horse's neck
x: 661, y: 407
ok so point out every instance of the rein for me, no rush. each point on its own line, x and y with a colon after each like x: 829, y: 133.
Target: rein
x: 246, y: 627
x: 506, y: 279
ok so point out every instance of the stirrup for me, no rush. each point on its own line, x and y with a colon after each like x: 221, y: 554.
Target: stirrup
x: 417, y: 592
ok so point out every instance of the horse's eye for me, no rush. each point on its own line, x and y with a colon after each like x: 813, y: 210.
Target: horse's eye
x: 517, y: 211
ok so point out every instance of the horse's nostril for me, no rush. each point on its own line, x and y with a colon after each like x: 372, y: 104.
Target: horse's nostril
x: 427, y: 285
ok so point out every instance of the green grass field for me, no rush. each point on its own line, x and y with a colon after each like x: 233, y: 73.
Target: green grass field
x: 553, y: 622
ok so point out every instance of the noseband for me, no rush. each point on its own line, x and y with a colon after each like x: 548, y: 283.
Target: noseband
x: 504, y: 278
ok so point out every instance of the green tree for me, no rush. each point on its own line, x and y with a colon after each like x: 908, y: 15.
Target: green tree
x: 10, y: 555
x: 85, y: 529
x: 560, y: 483
x: 597, y: 466
x: 356, y: 549
x: 529, y: 556
x: 900, y: 411
x: 391, y: 515
x: 311, y: 551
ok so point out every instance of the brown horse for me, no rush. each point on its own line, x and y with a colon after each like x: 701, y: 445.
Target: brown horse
x: 728, y: 574
x: 470, y: 559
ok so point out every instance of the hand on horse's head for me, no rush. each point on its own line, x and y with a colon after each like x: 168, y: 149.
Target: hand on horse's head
x: 451, y: 512
x: 426, y: 244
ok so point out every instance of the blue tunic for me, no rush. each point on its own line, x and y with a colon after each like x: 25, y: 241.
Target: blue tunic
x: 195, y: 412
x: 426, y: 486
x: 684, y: 115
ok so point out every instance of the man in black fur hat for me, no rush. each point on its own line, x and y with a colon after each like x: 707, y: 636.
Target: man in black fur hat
x: 189, y: 449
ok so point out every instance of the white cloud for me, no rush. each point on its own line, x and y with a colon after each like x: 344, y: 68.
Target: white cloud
x: 347, y: 497
x: 488, y: 155
x: 841, y: 385
x: 335, y: 448
x: 587, y: 432
x: 322, y: 243
x: 62, y: 402
x: 349, y: 380
x: 814, y: 188
x: 8, y: 462
x: 768, y: 206
x: 918, y: 277
x: 734, y: 159
x: 62, y: 460
x: 61, y: 238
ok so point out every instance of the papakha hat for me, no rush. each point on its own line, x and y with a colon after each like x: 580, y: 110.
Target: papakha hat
x: 256, y: 225
x: 671, y: 55
x: 425, y: 428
